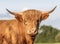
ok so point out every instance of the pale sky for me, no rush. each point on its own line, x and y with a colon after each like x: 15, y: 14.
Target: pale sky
x: 19, y: 5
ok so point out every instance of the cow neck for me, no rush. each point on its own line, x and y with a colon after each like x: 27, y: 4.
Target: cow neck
x: 21, y: 34
x: 21, y: 28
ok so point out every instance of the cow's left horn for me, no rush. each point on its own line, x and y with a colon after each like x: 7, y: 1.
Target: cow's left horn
x: 52, y: 9
x: 11, y: 12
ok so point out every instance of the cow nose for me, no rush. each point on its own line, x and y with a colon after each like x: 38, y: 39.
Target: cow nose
x: 33, y: 31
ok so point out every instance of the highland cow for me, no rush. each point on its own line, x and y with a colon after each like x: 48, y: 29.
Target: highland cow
x: 24, y: 28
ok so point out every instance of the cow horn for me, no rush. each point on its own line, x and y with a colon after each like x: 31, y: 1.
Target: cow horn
x: 11, y: 12
x: 52, y: 9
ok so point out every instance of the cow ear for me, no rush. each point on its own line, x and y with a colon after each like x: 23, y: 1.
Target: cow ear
x: 19, y: 18
x: 44, y: 15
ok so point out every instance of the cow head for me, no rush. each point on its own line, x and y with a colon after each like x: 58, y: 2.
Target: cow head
x: 31, y: 19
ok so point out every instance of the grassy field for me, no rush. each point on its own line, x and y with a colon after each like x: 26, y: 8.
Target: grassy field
x: 47, y: 43
x: 50, y: 35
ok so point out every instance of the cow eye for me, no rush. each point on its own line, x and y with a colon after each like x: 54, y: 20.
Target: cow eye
x: 37, y: 21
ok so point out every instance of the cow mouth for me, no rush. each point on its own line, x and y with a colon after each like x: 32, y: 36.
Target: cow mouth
x: 33, y: 35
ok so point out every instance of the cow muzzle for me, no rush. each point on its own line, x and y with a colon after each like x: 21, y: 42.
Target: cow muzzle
x: 33, y: 32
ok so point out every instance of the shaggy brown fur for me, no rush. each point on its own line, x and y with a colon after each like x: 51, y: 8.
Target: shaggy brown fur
x: 12, y: 33
x: 23, y: 29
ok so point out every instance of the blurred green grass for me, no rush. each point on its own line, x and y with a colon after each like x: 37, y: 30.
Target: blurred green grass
x: 50, y: 35
x: 46, y: 43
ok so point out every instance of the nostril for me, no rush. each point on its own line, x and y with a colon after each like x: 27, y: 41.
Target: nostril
x: 30, y: 31
x: 35, y: 30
